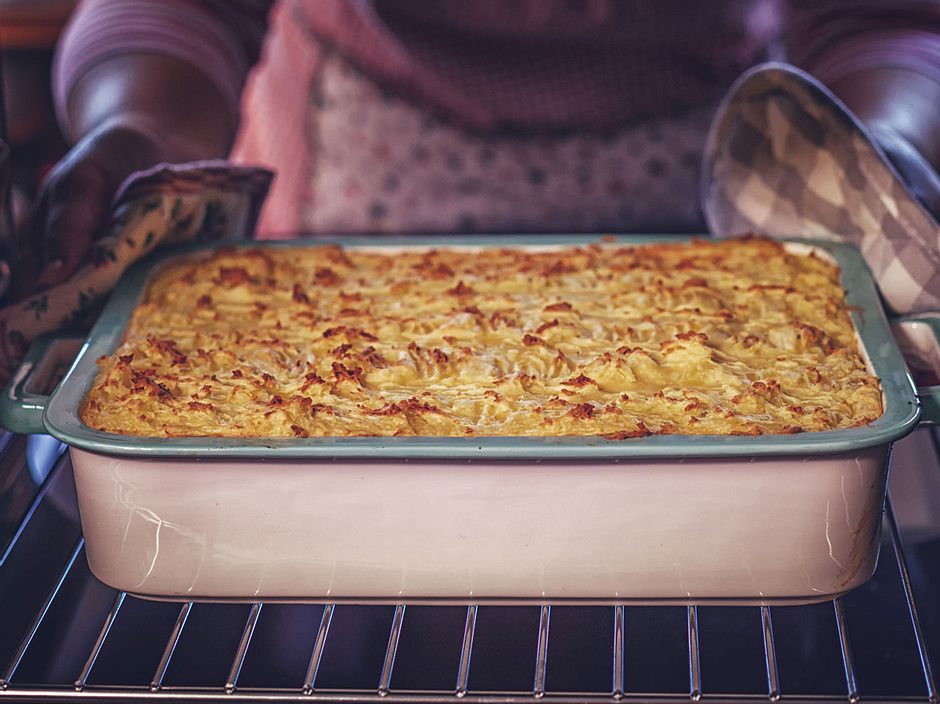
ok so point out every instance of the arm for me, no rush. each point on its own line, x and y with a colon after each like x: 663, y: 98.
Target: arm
x: 882, y: 58
x: 900, y: 99
x: 131, y: 99
x: 901, y: 108
x: 161, y: 98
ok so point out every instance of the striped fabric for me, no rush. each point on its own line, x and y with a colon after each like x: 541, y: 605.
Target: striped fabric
x: 222, y: 39
x: 833, y: 39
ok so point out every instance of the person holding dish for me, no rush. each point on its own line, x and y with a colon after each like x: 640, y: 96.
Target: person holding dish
x: 402, y: 116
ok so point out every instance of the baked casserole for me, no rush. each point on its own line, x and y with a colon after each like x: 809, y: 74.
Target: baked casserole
x: 708, y: 337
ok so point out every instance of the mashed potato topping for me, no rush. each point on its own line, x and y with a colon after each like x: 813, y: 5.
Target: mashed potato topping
x: 725, y: 337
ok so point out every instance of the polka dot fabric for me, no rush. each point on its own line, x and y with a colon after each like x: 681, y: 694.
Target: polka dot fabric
x: 383, y: 164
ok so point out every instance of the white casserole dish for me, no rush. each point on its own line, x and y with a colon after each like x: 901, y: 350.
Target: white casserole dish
x: 661, y: 518
x: 793, y: 528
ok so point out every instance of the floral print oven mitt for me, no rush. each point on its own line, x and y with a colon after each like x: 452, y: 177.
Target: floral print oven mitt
x: 168, y: 204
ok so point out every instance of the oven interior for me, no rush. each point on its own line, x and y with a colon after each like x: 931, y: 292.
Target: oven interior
x: 65, y: 635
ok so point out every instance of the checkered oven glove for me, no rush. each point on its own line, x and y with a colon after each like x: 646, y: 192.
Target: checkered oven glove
x: 785, y: 157
x: 164, y: 205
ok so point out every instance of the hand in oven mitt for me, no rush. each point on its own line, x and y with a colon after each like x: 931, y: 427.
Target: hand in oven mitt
x: 785, y: 157
x: 164, y: 205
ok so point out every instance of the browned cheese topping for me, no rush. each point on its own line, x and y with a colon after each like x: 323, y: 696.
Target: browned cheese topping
x: 726, y: 337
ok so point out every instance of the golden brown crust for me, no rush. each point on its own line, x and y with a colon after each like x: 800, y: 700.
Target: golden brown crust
x: 728, y: 337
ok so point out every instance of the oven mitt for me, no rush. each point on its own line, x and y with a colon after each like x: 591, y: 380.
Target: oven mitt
x: 784, y: 157
x: 167, y: 204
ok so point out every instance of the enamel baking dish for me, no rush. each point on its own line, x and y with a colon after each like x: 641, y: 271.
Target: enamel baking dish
x: 785, y: 518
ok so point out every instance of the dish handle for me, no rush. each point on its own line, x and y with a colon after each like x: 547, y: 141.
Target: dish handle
x: 918, y: 337
x: 24, y: 400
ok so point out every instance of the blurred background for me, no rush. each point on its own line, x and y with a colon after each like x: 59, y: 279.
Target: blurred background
x: 28, y: 33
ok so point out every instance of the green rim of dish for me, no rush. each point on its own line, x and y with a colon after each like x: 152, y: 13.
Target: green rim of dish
x: 900, y: 417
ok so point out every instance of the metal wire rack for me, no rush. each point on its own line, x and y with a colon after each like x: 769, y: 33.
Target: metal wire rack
x: 66, y: 636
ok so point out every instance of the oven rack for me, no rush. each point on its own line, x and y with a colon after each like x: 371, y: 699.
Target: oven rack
x: 39, y: 669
